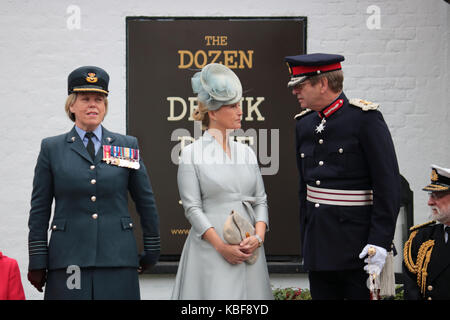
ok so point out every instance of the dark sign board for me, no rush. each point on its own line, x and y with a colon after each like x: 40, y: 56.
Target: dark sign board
x: 162, y: 56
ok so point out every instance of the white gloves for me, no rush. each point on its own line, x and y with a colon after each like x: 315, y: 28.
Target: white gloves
x: 376, y: 262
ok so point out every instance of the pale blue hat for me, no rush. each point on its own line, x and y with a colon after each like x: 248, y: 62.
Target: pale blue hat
x: 216, y: 85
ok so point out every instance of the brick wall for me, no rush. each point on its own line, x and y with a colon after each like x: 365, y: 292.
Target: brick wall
x: 399, y: 58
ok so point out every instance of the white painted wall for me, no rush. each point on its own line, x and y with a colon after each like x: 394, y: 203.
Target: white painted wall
x: 403, y: 65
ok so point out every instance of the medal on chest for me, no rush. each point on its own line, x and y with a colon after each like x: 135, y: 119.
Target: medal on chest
x: 321, y: 126
x: 121, y: 156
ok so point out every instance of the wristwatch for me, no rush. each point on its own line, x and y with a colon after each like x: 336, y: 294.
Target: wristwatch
x: 260, y: 241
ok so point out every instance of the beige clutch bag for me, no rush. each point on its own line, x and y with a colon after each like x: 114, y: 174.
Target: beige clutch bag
x: 236, y: 229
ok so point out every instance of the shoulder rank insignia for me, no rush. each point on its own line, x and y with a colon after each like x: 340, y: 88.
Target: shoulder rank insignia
x: 303, y: 113
x: 363, y: 104
x: 422, y: 225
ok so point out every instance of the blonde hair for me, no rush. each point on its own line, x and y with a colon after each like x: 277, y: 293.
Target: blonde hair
x: 335, y: 80
x: 201, y: 114
x: 71, y: 100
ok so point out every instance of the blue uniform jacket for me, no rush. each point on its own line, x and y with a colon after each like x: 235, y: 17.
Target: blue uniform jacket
x: 437, y: 271
x: 354, y: 152
x: 91, y: 225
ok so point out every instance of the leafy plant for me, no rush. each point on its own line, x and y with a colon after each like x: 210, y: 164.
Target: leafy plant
x: 291, y: 294
x: 305, y: 294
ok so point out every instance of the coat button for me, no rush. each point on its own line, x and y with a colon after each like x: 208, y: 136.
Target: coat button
x: 429, y: 298
x: 430, y: 288
x: 341, y: 150
x: 131, y: 225
x: 92, y: 167
x: 180, y: 202
x: 93, y: 181
x: 302, y: 155
x: 321, y: 141
x: 54, y: 227
x: 320, y: 163
x: 318, y: 182
x: 93, y: 198
x: 317, y: 205
x: 94, y: 216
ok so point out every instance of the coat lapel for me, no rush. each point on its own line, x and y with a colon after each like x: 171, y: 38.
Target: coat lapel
x: 440, y: 256
x: 77, y: 144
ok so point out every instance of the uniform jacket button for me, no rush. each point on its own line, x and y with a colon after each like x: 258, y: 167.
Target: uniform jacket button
x: 321, y: 141
x: 429, y: 298
x: 54, y: 227
x: 93, y: 198
x: 430, y: 288
x: 317, y: 205
x: 93, y: 181
x: 320, y: 163
x: 302, y: 155
x: 92, y: 167
x: 318, y: 182
x: 341, y: 150
x: 94, y: 216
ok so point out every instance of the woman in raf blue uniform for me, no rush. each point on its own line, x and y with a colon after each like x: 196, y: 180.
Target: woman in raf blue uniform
x: 349, y: 188
x: 88, y: 172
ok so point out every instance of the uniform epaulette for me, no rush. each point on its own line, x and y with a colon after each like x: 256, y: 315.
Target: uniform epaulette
x: 422, y: 225
x: 364, y: 105
x: 301, y: 114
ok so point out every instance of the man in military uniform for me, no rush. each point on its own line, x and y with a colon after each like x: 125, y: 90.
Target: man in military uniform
x: 426, y: 254
x: 349, y: 188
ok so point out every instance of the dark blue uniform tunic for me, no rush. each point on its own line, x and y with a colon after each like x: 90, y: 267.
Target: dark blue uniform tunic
x: 91, y: 227
x: 354, y: 152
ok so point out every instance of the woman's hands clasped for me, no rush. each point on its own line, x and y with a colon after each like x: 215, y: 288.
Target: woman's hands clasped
x: 233, y: 253
x: 238, y: 253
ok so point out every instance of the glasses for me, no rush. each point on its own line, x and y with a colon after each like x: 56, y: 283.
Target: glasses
x: 438, y: 195
x: 301, y: 85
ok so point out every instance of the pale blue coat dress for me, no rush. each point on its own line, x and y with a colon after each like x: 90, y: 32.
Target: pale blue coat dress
x: 211, y: 185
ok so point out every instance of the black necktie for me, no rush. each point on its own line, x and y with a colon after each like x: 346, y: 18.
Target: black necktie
x: 90, y: 145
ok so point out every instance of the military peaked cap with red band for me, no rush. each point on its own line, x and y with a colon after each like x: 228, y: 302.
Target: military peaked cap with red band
x: 88, y: 79
x: 306, y: 65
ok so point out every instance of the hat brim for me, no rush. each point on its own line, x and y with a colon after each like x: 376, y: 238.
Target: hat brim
x: 89, y: 89
x: 434, y: 187
x: 295, y: 81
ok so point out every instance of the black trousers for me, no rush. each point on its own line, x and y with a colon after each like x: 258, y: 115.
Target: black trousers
x: 93, y: 284
x: 339, y: 285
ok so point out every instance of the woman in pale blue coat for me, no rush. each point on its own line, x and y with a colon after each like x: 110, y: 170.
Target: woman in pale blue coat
x: 215, y: 176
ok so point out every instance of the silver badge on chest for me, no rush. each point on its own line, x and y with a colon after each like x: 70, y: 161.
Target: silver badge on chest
x: 321, y: 126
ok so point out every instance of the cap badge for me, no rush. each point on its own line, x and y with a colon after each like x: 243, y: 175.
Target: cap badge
x: 434, y: 176
x: 91, y: 77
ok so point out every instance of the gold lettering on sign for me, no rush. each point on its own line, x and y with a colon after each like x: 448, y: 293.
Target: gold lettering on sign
x: 233, y: 59
x: 216, y: 40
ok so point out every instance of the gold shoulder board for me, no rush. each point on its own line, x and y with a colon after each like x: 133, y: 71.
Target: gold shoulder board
x: 422, y: 225
x: 303, y: 113
x: 364, y: 104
